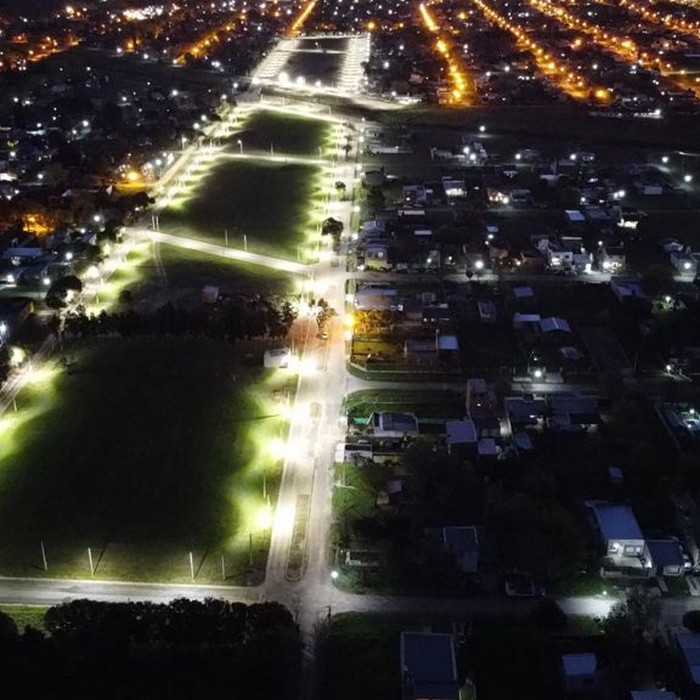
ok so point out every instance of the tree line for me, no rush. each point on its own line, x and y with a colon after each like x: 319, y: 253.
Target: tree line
x: 183, y: 649
x: 257, y: 318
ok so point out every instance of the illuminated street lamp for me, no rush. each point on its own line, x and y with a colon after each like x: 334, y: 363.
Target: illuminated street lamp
x: 240, y: 145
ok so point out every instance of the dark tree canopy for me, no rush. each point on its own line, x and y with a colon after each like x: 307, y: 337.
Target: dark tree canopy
x: 184, y: 649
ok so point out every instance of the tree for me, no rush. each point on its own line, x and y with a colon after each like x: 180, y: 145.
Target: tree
x: 340, y: 189
x: 547, y: 615
x: 691, y: 621
x: 331, y: 227
x: 375, y: 200
x: 657, y: 280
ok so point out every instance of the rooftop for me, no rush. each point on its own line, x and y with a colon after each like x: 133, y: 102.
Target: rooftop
x: 428, y: 666
x: 616, y: 522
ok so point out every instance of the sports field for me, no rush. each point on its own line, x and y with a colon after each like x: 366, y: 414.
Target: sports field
x: 143, y: 450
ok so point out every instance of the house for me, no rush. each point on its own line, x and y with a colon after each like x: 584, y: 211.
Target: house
x: 573, y: 412
x: 524, y: 299
x: 377, y: 256
x: 461, y: 437
x: 463, y: 543
x: 685, y: 263
x: 579, y: 672
x: 428, y: 666
x: 552, y: 325
x: 653, y: 694
x: 525, y: 412
x: 689, y: 647
x: 627, y: 289
x: 667, y: 557
x: 620, y: 535
x: 612, y: 258
x: 387, y: 424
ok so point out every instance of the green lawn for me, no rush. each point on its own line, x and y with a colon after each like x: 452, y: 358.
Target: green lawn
x: 143, y: 450
x: 425, y: 404
x: 188, y: 269
x: 23, y: 615
x: 275, y: 205
x: 300, y: 136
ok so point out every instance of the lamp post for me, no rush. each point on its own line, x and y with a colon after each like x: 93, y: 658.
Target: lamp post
x: 240, y: 145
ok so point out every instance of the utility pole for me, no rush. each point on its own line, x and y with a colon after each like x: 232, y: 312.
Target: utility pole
x: 226, y: 237
x: 223, y: 567
x: 43, y: 556
x: 245, y: 242
x: 250, y: 549
x: 191, y: 565
x: 92, y: 568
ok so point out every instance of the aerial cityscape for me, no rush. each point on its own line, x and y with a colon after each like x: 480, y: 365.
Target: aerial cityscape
x: 348, y: 349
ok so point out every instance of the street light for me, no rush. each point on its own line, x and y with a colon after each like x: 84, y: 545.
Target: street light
x: 687, y: 178
x: 240, y: 145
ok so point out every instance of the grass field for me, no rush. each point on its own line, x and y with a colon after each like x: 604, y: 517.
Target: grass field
x: 425, y: 404
x: 23, y: 615
x: 557, y: 122
x: 272, y: 204
x: 142, y: 450
x: 285, y: 134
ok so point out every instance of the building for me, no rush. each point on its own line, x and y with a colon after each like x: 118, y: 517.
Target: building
x: 463, y: 543
x: 428, y: 666
x: 387, y: 424
x: 462, y: 437
x: 688, y: 644
x: 653, y: 694
x: 667, y: 557
x: 579, y: 672
x: 620, y: 536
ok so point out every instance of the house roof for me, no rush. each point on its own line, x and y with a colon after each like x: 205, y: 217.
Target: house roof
x: 399, y: 422
x: 447, y: 342
x: 460, y: 432
x: 665, y: 552
x: 523, y: 292
x: 520, y: 409
x: 653, y: 694
x: 579, y: 664
x: 463, y: 542
x: 616, y: 522
x: 547, y: 325
x: 689, y: 642
x: 429, y: 666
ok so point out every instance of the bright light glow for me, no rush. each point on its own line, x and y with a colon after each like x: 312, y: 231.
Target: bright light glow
x: 349, y: 321
x: 284, y: 520
x: 264, y: 520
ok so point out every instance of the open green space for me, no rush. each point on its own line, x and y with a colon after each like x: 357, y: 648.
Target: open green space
x: 23, y: 615
x: 271, y: 204
x: 568, y: 122
x: 281, y: 134
x: 142, y: 450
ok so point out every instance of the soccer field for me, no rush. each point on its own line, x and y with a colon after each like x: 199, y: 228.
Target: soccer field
x: 143, y: 450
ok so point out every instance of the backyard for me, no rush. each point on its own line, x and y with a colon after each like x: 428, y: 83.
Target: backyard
x: 106, y: 452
